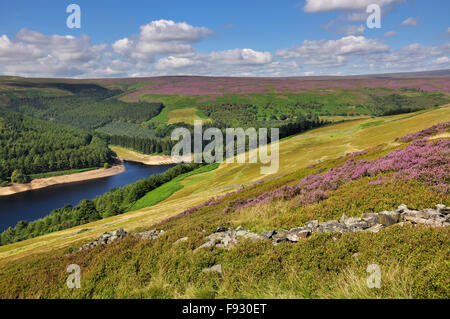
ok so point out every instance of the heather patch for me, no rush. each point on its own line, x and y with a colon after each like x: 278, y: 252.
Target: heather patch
x: 427, y: 162
x: 435, y: 129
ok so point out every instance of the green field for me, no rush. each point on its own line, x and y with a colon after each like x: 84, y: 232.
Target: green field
x: 165, y: 191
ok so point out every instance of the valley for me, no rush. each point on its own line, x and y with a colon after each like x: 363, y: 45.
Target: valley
x: 191, y: 201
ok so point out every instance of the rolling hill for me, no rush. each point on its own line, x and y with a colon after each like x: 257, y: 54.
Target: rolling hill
x: 324, y: 265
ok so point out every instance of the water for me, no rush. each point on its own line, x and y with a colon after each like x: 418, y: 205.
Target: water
x: 38, y: 203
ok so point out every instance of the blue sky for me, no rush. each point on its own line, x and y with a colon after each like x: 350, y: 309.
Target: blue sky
x: 238, y: 38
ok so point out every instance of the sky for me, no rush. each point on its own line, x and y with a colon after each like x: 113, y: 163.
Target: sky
x: 222, y: 38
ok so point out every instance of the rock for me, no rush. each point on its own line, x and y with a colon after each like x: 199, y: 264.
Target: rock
x: 376, y: 228
x: 370, y: 218
x: 181, y: 240
x: 424, y: 221
x: 296, y: 236
x: 220, y: 229
x: 268, y: 234
x: 388, y: 218
x: 402, y: 208
x: 332, y: 225
x: 205, y: 245
x: 119, y: 233
x: 280, y: 236
x: 150, y: 234
x: 215, y: 268
x: 312, y: 225
x: 442, y: 209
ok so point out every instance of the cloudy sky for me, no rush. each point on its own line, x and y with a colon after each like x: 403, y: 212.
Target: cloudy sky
x: 232, y: 38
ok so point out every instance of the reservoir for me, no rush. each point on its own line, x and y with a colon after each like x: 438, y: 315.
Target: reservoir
x: 38, y: 203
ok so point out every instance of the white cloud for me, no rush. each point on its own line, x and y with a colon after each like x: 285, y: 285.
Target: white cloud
x: 218, y: 62
x: 352, y: 29
x: 410, y: 22
x: 241, y: 56
x: 361, y: 54
x: 33, y: 53
x: 442, y: 60
x: 161, y: 37
x: 343, y: 5
x: 171, y: 62
x: 390, y: 34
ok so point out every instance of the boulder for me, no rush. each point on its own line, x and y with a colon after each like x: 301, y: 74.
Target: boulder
x: 442, y: 209
x: 313, y: 225
x: 280, y: 236
x: 181, y: 240
x: 332, y: 225
x: 215, y: 268
x: 370, y: 218
x: 268, y: 234
x: 388, y: 218
x: 376, y: 228
x: 296, y: 236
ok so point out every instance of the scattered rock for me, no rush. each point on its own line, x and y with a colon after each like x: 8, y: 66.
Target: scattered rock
x: 215, y: 268
x: 268, y: 234
x: 376, y: 228
x: 298, y: 235
x: 149, y: 234
x: 105, y: 239
x: 388, y: 218
x: 181, y: 240
x: 373, y: 222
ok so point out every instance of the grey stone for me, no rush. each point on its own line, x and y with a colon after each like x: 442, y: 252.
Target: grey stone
x: 313, y: 224
x: 376, y: 228
x: 181, y: 240
x: 280, y: 235
x: 442, y: 209
x: 220, y: 229
x: 215, y: 268
x: 388, y: 218
x: 370, y: 218
x: 268, y: 234
x: 296, y: 236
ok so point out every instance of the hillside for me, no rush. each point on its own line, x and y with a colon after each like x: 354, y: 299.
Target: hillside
x: 324, y: 265
x: 31, y: 146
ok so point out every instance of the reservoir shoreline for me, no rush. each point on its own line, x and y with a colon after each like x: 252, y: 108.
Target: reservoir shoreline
x: 62, y: 179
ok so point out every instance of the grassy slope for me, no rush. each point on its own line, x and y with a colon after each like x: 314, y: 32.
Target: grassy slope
x: 413, y: 261
x: 295, y: 153
x: 166, y: 190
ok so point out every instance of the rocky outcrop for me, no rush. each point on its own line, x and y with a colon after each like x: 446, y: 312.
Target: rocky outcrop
x: 108, y: 238
x: 105, y: 239
x: 373, y: 222
x: 223, y: 238
x: 150, y: 234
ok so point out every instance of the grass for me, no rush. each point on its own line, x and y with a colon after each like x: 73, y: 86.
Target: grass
x: 166, y: 190
x: 131, y: 154
x: 186, y: 115
x: 296, y: 153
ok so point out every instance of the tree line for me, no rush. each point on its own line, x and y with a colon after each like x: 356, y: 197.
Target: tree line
x: 114, y: 202
x: 30, y: 146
